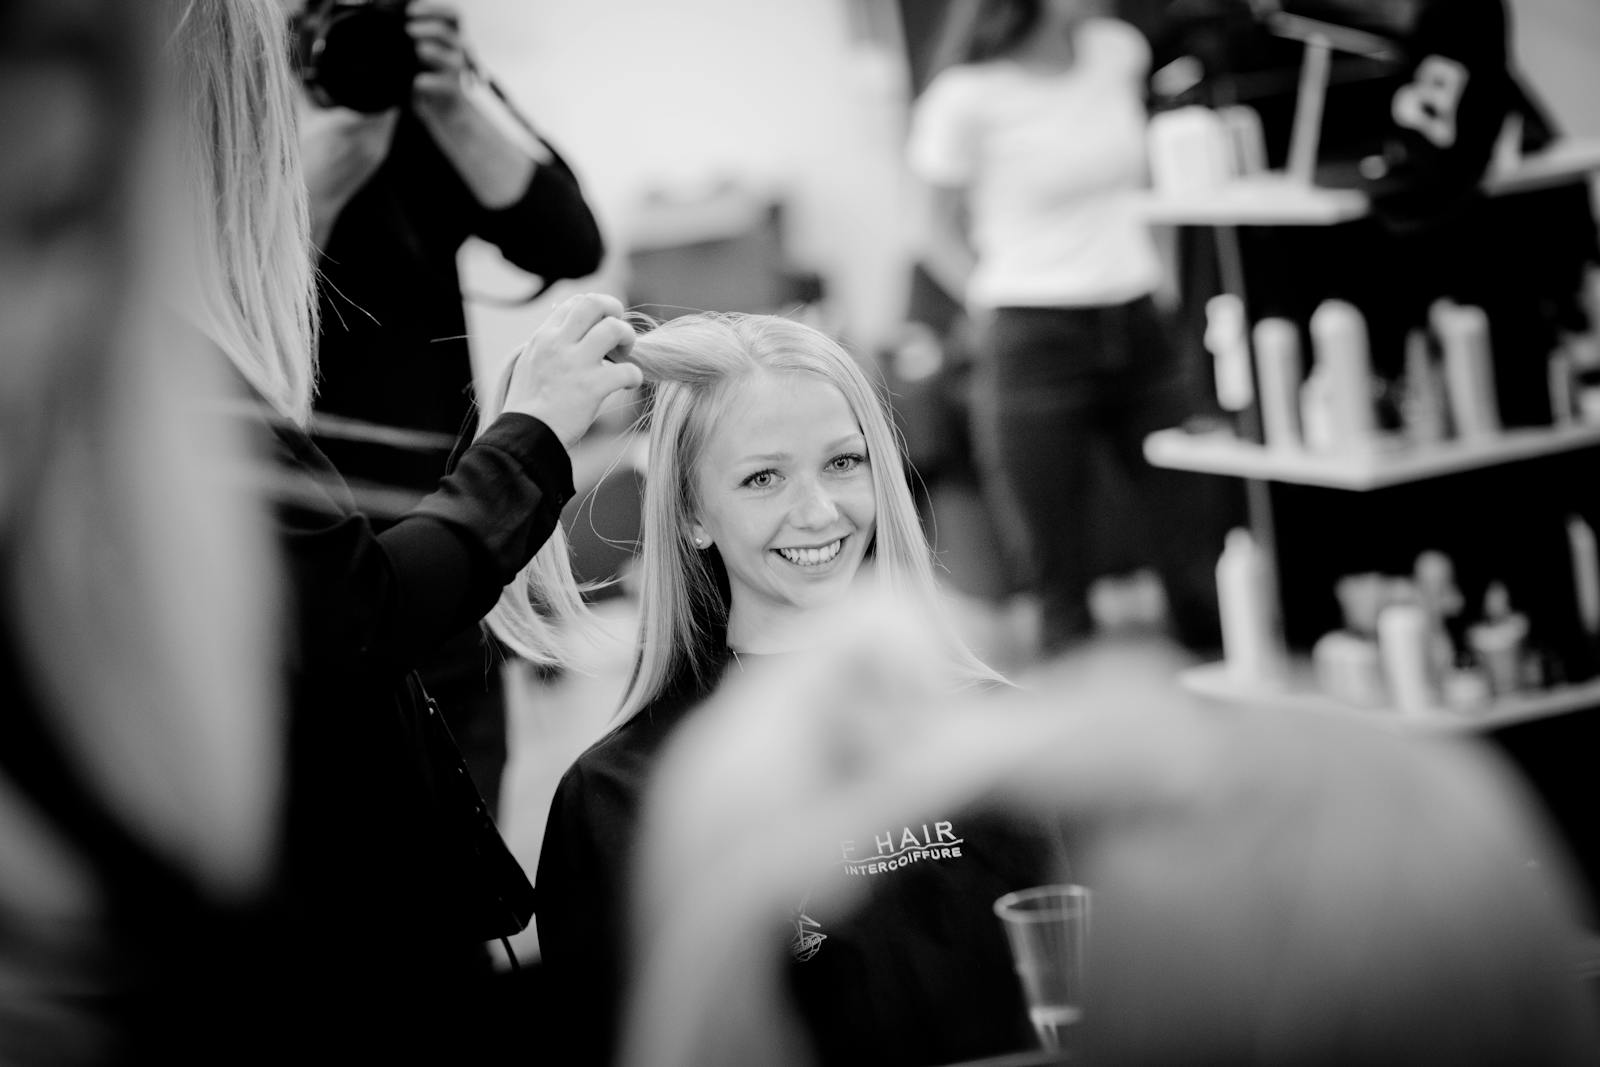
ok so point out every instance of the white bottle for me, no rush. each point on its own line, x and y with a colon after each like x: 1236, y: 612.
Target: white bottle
x: 1585, y: 573
x: 1252, y: 640
x: 1499, y: 640
x: 1405, y: 643
x: 1316, y: 413
x: 1468, y: 369
x: 1228, y: 340
x: 1279, y: 369
x: 1189, y: 151
x: 1424, y: 409
x: 1348, y: 668
x: 1246, y: 138
x: 1563, y: 385
x: 1344, y: 364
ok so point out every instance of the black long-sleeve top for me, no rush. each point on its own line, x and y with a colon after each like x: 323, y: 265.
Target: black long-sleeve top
x: 372, y: 884
x: 393, y: 345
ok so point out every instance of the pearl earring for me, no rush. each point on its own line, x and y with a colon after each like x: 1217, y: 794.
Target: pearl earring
x: 699, y: 542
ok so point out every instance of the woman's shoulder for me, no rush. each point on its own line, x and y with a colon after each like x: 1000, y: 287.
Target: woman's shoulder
x: 619, y: 761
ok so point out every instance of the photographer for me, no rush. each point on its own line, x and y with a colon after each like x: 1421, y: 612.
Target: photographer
x: 408, y: 153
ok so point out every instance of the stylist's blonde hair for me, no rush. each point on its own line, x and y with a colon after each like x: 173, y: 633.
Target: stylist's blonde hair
x: 255, y: 266
x: 695, y: 363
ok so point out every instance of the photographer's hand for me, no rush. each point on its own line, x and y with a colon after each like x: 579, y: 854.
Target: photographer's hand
x: 495, y: 159
x: 562, y: 376
x: 341, y: 150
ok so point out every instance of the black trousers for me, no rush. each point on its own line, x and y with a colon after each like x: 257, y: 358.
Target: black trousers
x: 1058, y: 383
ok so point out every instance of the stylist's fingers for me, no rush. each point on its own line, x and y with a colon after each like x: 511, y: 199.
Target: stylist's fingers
x: 582, y: 313
x: 615, y: 377
x: 603, y: 339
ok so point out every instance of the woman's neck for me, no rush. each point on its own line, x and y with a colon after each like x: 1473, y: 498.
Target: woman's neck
x: 770, y: 633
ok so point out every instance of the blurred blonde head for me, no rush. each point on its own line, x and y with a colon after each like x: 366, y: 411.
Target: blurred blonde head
x: 250, y: 264
x: 1270, y: 888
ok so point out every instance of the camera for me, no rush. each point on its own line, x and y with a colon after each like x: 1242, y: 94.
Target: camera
x: 356, y: 53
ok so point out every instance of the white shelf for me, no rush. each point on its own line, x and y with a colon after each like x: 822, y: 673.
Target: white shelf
x: 1299, y: 694
x: 1393, y: 464
x: 1258, y: 200
x: 1274, y: 199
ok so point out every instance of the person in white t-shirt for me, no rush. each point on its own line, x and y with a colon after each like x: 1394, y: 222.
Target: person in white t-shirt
x: 1033, y: 141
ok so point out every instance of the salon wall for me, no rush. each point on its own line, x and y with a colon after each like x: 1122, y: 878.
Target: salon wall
x: 776, y: 94
x: 1558, y: 49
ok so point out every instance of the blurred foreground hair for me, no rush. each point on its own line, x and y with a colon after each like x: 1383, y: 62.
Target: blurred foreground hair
x: 141, y: 729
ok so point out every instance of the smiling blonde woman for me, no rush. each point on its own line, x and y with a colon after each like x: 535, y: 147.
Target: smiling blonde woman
x: 774, y: 489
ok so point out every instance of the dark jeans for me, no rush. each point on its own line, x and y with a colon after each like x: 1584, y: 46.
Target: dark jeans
x: 1057, y: 384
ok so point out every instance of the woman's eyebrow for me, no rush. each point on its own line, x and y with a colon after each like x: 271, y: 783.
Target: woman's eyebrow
x: 766, y: 457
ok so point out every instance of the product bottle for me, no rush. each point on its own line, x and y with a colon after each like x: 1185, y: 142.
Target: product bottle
x: 1468, y: 369
x: 1435, y: 578
x: 1563, y: 385
x: 1246, y: 138
x: 1252, y: 640
x: 1228, y: 341
x: 1344, y: 362
x: 1423, y: 408
x: 1498, y: 641
x: 1349, y: 668
x: 1585, y: 573
x: 1189, y: 151
x: 1405, y: 643
x: 1278, y: 367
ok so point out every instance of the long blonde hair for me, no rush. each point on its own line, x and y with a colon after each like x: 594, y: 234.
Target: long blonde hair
x: 256, y: 298
x: 695, y: 362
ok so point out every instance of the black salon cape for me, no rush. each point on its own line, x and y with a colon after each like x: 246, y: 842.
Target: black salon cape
x: 372, y: 899
x: 918, y: 974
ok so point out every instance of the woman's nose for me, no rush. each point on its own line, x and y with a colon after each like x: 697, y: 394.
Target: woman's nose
x: 816, y: 509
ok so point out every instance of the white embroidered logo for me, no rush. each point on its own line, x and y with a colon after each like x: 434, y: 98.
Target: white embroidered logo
x: 808, y: 935
x: 893, y: 850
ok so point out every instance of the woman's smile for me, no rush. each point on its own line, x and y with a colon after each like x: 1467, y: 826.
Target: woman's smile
x: 812, y: 557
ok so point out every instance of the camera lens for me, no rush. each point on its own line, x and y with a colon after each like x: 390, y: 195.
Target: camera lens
x: 367, y: 61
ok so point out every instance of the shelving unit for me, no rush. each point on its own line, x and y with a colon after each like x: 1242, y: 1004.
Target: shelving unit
x: 1396, y: 464
x: 1276, y: 199
x: 1300, y: 693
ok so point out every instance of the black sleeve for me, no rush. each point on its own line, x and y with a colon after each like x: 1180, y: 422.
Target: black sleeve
x: 385, y: 598
x: 581, y: 912
x: 550, y: 231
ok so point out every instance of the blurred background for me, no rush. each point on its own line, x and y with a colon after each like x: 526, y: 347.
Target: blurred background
x: 761, y: 165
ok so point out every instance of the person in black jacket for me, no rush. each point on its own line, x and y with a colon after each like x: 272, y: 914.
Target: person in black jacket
x: 394, y: 196
x: 382, y: 914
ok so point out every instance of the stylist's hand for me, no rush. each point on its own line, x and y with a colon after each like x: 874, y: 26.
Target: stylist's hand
x: 562, y: 376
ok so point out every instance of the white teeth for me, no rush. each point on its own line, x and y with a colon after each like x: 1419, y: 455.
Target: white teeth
x: 812, y: 557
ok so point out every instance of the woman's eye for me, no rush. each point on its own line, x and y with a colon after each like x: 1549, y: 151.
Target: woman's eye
x: 845, y: 464
x: 762, y: 480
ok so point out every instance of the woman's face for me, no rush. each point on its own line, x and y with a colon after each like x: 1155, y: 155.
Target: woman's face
x: 786, y: 495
